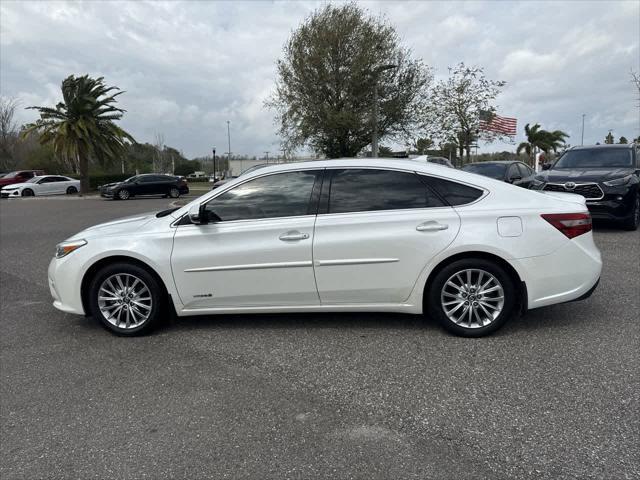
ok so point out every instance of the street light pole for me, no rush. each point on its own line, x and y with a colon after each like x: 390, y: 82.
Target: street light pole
x: 229, y: 140
x: 582, y: 140
x: 214, y: 164
x: 374, y: 134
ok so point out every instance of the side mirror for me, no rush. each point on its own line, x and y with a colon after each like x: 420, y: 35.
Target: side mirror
x: 196, y: 214
x: 546, y: 166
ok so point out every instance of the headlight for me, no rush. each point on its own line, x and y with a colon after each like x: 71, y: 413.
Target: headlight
x: 65, y: 248
x: 618, y: 182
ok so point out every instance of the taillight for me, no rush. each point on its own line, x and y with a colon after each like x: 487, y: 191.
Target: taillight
x: 571, y: 224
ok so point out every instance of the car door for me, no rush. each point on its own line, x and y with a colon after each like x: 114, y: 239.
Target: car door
x: 58, y: 185
x: 527, y: 175
x: 256, y: 251
x: 375, y: 231
x: 45, y: 186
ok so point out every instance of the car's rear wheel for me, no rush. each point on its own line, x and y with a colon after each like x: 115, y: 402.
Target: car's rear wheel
x: 124, y: 194
x: 27, y: 192
x: 633, y: 221
x: 471, y: 297
x: 72, y: 191
x: 174, y: 192
x: 126, y: 298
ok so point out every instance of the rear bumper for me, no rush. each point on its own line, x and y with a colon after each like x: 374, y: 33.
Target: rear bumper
x: 570, y: 273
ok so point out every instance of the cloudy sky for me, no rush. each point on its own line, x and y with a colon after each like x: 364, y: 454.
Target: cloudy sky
x: 188, y: 67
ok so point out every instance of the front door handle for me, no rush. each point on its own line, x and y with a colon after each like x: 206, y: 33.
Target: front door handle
x: 431, y: 226
x: 293, y: 235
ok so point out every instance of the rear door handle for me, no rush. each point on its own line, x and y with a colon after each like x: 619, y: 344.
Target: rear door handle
x: 293, y: 235
x: 431, y: 226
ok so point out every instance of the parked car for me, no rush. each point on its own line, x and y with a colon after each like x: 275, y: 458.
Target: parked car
x: 19, y: 176
x: 437, y: 160
x: 146, y: 184
x: 337, y: 236
x: 607, y: 176
x: 219, y: 183
x: 42, y: 185
x: 510, y: 171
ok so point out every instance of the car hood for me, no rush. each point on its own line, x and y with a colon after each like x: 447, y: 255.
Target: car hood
x: 583, y: 174
x: 109, y: 185
x: 19, y: 185
x: 115, y: 227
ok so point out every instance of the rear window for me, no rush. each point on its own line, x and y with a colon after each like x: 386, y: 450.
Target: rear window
x: 492, y: 170
x: 453, y: 193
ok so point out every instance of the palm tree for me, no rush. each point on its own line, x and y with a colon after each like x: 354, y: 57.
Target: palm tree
x: 81, y: 127
x: 540, y: 140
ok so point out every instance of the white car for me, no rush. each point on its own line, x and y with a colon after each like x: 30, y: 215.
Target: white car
x: 42, y: 185
x: 337, y: 236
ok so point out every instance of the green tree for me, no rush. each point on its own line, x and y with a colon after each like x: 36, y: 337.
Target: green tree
x: 324, y: 96
x: 457, y: 103
x: 540, y: 140
x: 82, y: 127
x: 421, y: 145
x: 623, y: 140
x: 609, y: 140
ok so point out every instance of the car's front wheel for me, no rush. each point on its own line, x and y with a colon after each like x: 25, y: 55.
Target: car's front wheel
x: 126, y: 298
x: 27, y: 192
x: 471, y: 297
x: 124, y: 194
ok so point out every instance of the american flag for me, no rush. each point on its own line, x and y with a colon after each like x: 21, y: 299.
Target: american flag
x: 490, y: 122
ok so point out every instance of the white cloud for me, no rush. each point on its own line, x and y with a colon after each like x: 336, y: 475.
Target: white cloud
x: 188, y: 67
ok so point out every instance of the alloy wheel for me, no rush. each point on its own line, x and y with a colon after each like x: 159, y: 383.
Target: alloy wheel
x: 472, y: 298
x: 174, y: 193
x: 125, y: 300
x: 123, y: 194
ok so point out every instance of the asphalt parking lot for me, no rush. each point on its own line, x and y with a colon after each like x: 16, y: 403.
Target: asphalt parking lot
x: 555, y: 394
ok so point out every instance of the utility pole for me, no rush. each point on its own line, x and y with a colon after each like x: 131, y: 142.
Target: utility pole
x: 266, y: 156
x: 229, y: 140
x: 214, y: 163
x: 582, y: 140
x: 374, y: 135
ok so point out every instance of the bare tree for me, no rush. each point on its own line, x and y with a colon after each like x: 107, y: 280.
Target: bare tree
x: 161, y: 161
x: 8, y: 133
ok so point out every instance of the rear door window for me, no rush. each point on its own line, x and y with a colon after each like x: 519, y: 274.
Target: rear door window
x: 365, y: 190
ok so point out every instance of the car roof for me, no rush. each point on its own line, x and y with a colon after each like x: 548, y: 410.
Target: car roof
x: 606, y: 145
x: 492, y: 162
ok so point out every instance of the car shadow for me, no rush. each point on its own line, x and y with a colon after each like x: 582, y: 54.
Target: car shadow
x: 276, y: 321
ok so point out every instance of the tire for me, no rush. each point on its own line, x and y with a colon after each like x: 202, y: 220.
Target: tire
x: 72, y: 191
x: 123, y: 194
x: 633, y: 221
x: 445, y: 302
x: 126, y: 315
x: 27, y: 192
x: 174, y: 192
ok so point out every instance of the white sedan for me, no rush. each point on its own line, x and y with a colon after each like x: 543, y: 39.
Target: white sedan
x: 42, y: 185
x: 337, y: 236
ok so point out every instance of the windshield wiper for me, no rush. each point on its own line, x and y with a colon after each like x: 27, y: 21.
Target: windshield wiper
x: 164, y: 213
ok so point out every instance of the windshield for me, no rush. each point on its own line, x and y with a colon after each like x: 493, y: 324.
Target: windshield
x: 33, y: 180
x: 131, y: 179
x: 493, y: 170
x: 251, y: 169
x: 10, y: 175
x: 595, y: 158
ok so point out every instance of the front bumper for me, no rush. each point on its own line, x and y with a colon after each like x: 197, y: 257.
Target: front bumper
x: 9, y: 193
x: 64, y: 286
